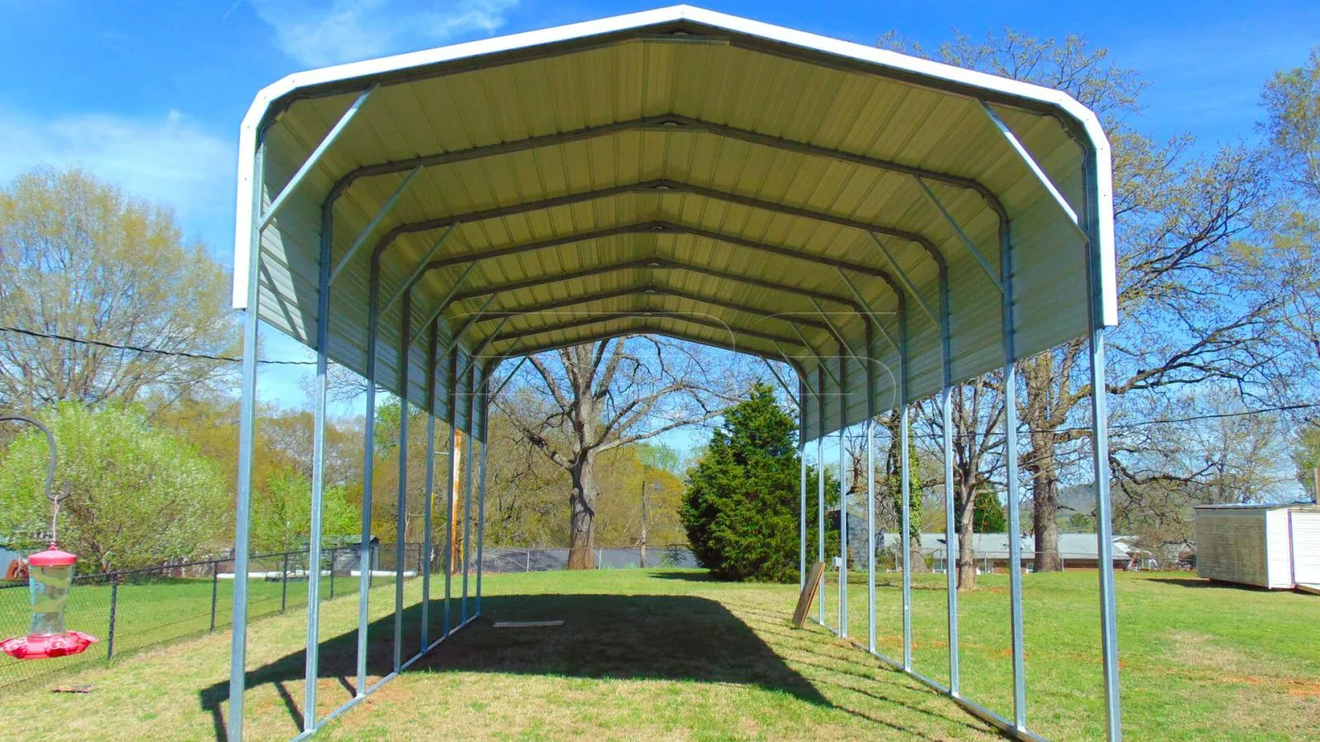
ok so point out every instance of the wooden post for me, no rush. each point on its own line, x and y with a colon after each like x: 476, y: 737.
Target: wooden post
x: 456, y: 475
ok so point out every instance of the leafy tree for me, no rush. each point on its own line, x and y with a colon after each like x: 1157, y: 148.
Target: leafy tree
x: 137, y: 495
x: 281, y: 513
x: 741, y: 506
x: 80, y: 258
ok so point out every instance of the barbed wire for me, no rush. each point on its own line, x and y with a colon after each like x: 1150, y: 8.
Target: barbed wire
x: 143, y: 349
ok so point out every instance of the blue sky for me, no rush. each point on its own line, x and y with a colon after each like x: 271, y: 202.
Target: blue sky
x: 150, y: 94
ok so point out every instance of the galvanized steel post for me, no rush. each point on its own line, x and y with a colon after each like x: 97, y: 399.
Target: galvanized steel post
x: 802, y: 487
x: 428, y: 507
x: 481, y: 491
x: 246, y: 431
x: 451, y: 387
x: 820, y: 483
x: 467, y: 483
x: 1100, y: 452
x: 843, y: 497
x: 401, y: 505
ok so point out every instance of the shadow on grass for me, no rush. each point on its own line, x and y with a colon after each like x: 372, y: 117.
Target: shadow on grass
x: 693, y: 576
x: 603, y: 636
x: 1203, y: 582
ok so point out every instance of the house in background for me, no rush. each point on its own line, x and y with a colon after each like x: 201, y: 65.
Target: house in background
x: 1078, y: 550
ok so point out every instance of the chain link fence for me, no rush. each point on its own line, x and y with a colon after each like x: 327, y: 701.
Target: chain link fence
x: 134, y: 609
x: 545, y: 559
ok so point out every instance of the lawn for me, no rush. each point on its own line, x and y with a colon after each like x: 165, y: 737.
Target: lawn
x: 671, y: 654
x: 149, y: 610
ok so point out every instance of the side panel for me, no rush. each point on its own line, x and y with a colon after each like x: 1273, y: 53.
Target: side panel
x: 1278, y: 550
x: 1306, y: 547
x: 1231, y: 547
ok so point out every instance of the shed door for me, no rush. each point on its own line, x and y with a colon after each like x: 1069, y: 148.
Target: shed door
x: 1306, y: 548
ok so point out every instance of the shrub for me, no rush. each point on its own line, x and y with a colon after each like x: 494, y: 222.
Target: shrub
x: 137, y: 495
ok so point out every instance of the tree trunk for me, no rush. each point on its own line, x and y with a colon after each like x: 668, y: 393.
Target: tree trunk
x: 917, y: 560
x: 966, y: 554
x: 1045, y: 502
x: 582, y: 513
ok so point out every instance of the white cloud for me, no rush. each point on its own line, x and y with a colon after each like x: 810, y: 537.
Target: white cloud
x: 168, y: 158
x: 323, y: 32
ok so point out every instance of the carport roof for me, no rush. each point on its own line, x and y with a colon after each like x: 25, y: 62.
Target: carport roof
x: 680, y: 172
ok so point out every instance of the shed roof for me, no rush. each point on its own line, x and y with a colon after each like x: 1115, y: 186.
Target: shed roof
x: 680, y: 172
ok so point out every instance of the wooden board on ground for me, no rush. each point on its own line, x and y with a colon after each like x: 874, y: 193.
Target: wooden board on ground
x: 527, y: 624
x: 808, y: 595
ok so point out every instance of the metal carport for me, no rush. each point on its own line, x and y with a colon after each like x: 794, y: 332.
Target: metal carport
x: 887, y: 225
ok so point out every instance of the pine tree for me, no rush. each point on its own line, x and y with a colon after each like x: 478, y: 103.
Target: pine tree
x: 741, y: 505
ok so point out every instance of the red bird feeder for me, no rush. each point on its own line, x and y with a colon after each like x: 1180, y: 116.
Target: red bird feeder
x: 50, y: 577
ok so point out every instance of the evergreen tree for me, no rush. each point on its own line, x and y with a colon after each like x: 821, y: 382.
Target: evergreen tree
x: 741, y: 505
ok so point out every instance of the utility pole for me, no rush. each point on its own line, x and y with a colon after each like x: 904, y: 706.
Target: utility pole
x: 1315, y: 495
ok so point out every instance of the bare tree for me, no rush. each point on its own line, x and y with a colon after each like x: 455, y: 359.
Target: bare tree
x: 80, y: 259
x: 1179, y: 221
x: 600, y: 396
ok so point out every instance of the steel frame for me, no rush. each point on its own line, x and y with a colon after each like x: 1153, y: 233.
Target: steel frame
x: 327, y: 275
x: 1090, y: 224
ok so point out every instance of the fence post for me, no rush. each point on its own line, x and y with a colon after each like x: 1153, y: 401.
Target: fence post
x: 333, y: 552
x: 529, y: 561
x: 114, y: 604
x: 284, y: 583
x: 215, y: 584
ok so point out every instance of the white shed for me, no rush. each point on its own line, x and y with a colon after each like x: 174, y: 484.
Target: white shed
x: 1267, y: 545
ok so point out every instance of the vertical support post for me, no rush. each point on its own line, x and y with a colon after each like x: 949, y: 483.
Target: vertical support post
x: 870, y: 487
x: 1011, y: 465
x: 843, y: 495
x: 451, y: 386
x: 1096, y: 232
x: 320, y: 387
x: 905, y: 487
x: 215, y: 591
x: 428, y: 507
x: 481, y: 479
x: 802, y: 487
x: 820, y: 481
x: 368, y: 472
x: 246, y: 430
x: 401, y: 506
x: 467, y: 483
x: 950, y: 523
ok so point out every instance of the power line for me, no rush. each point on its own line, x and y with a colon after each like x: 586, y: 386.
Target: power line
x: 142, y: 349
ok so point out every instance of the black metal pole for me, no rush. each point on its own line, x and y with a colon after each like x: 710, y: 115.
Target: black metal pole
x: 114, y: 604
x: 215, y: 585
x: 284, y: 584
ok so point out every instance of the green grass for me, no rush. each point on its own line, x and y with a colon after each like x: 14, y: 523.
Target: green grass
x: 671, y: 654
x: 149, y: 611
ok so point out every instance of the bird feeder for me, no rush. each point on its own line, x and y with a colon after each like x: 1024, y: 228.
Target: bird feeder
x: 50, y: 577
